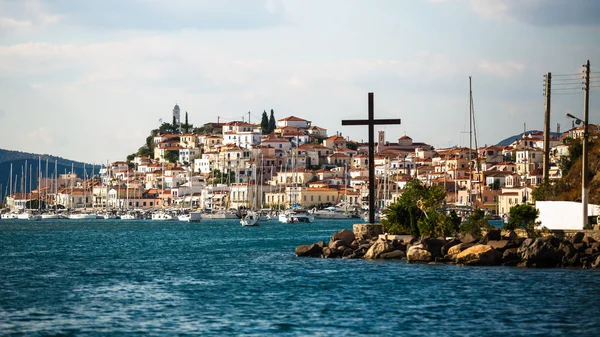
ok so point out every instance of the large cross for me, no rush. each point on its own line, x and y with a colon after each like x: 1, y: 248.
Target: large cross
x: 371, y: 122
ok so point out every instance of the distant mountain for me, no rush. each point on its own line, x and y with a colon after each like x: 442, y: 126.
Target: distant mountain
x: 18, y: 159
x: 511, y: 139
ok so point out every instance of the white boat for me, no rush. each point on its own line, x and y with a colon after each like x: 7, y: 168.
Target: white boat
x: 9, y: 216
x: 296, y: 215
x: 50, y: 216
x: 34, y: 217
x: 23, y: 216
x: 82, y: 216
x: 219, y: 215
x: 331, y: 213
x: 162, y: 216
x: 128, y: 216
x: 251, y: 219
x: 190, y: 217
x: 111, y: 216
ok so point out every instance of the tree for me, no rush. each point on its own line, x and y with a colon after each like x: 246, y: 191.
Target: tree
x: 522, y: 216
x: 475, y: 223
x: 416, y: 212
x: 352, y: 145
x: 168, y: 128
x: 575, y: 152
x: 264, y: 124
x: 172, y: 156
x: 272, y: 122
x: 186, y: 127
x: 131, y: 157
x: 175, y: 125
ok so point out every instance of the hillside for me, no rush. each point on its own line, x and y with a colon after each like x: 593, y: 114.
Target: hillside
x: 18, y: 159
x: 509, y: 140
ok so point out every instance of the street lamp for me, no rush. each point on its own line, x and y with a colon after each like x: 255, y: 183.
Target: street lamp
x: 584, y: 167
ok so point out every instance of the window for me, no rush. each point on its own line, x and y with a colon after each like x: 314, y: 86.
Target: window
x: 319, y: 198
x: 144, y: 204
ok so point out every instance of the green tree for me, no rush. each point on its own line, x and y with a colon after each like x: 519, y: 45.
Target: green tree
x: 522, y: 216
x: 172, y: 156
x: 264, y: 123
x: 416, y: 211
x: 168, y: 128
x: 352, y: 145
x: 475, y: 223
x: 575, y: 152
x: 186, y: 127
x: 131, y: 157
x: 272, y: 122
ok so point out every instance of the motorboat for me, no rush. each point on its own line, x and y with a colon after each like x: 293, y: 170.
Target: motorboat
x: 128, y: 216
x: 332, y: 213
x: 212, y: 215
x: 190, y: 217
x: 162, y: 216
x: 9, y: 216
x: 82, y: 216
x: 295, y: 215
x: 250, y: 219
x: 51, y: 216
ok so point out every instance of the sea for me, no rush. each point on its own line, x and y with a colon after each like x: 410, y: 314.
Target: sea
x: 217, y: 278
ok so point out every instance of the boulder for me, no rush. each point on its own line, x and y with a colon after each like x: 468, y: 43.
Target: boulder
x: 511, y: 257
x: 409, y: 240
x: 499, y: 245
x: 393, y: 255
x: 511, y: 235
x: 378, y: 248
x: 335, y: 244
x: 418, y: 254
x: 344, y: 235
x: 595, y: 247
x: 434, y: 246
x: 492, y: 235
x: 367, y: 231
x: 328, y: 253
x: 449, y: 245
x: 478, y: 255
x: 588, y: 240
x: 580, y: 247
x: 469, y: 238
x: 577, y: 237
x: 596, y: 263
x: 459, y: 248
x: 540, y: 253
x: 313, y: 250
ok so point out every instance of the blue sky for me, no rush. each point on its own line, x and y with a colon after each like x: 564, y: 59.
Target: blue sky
x: 88, y: 80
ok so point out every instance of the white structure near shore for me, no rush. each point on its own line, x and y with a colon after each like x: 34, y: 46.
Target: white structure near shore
x: 563, y: 214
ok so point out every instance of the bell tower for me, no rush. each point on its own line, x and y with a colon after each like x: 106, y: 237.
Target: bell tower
x: 380, y: 140
x: 177, y: 114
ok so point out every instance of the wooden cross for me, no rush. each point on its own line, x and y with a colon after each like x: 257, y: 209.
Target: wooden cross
x: 371, y: 122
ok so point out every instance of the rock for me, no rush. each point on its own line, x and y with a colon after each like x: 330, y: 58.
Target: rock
x: 378, y: 248
x: 511, y: 257
x: 367, y: 231
x: 328, y: 253
x: 459, y: 248
x: 418, y: 254
x: 540, y: 253
x: 409, y: 240
x: 499, y: 245
x: 335, y: 244
x: 571, y: 261
x: 313, y: 250
x: 321, y: 244
x: 580, y: 247
x: 577, y: 237
x: 449, y: 245
x: 595, y: 247
x: 396, y: 254
x: 344, y: 235
x: 469, y: 238
x: 492, y: 235
x: 399, y: 245
x: 478, y: 255
x: 511, y: 235
x: 434, y: 246
x: 588, y: 239
x: 596, y: 263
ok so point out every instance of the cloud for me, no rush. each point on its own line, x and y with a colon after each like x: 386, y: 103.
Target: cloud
x: 541, y: 13
x: 501, y: 69
x: 25, y: 15
x: 168, y: 15
x: 13, y: 23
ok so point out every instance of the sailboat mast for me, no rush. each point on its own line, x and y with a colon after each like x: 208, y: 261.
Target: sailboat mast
x: 470, y: 143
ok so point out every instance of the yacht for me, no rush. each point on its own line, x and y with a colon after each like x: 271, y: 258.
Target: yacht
x: 332, y: 213
x: 162, y: 216
x: 190, y: 217
x: 51, y: 216
x: 251, y: 219
x: 128, y: 216
x: 82, y: 216
x: 8, y: 216
x: 222, y: 214
x: 295, y: 215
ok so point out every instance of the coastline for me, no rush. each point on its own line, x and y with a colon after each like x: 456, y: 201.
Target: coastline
x: 494, y: 248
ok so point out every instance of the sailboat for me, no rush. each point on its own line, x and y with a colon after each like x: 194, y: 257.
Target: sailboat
x: 190, y: 216
x: 251, y: 218
x: 162, y: 215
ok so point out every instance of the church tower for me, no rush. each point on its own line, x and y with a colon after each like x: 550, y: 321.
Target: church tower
x: 380, y: 140
x: 177, y: 114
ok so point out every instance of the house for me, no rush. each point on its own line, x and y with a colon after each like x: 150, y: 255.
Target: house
x: 314, y: 130
x: 294, y: 122
x: 335, y: 142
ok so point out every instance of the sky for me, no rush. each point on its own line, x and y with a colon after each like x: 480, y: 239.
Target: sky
x: 88, y: 80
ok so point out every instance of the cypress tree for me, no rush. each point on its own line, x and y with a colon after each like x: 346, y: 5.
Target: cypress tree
x: 272, y: 124
x: 174, y: 125
x: 264, y: 124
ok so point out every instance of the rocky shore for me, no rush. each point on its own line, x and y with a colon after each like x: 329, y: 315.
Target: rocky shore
x: 494, y: 248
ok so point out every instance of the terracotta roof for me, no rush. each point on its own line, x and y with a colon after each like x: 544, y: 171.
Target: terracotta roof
x: 293, y: 118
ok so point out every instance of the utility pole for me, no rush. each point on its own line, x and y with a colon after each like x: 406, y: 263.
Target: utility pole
x: 546, y: 163
x: 584, y: 163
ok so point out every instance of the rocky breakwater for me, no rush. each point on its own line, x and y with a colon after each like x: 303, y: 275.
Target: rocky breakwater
x: 493, y: 249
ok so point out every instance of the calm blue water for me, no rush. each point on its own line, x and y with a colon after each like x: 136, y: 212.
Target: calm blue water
x: 218, y: 278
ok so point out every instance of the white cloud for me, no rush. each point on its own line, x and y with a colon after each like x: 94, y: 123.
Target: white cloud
x: 10, y: 23
x: 501, y: 69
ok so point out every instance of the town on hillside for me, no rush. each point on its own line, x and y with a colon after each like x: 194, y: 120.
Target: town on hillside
x: 290, y: 162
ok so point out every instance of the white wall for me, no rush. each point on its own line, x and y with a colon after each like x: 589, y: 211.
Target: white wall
x: 563, y: 214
